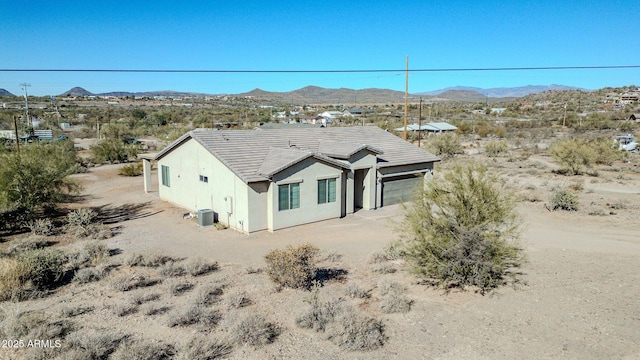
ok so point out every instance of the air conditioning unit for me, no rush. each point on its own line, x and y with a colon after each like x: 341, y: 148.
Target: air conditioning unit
x: 205, y: 217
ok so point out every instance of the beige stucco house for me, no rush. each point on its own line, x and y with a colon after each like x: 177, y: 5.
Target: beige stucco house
x: 269, y: 179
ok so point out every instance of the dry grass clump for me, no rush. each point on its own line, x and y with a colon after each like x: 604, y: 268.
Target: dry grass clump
x: 124, y: 309
x: 140, y: 298
x: 91, y: 274
x: 11, y: 273
x: 320, y: 312
x: 148, y: 260
x: 126, y: 282
x: 204, y: 348
x: 142, y: 349
x: 563, y: 199
x: 395, y: 302
x: 200, y: 266
x: 353, y: 331
x: 496, y: 148
x: 354, y: 290
x: 177, y: 287
x: 68, y: 312
x: 171, y: 269
x: 33, y: 242
x: 44, y: 267
x: 83, y: 344
x: 293, y: 267
x: 154, y: 309
x: 195, y: 314
x: 236, y: 299
x: 253, y: 330
x: 91, y: 254
x: 209, y: 294
x: 84, y: 223
x: 16, y: 324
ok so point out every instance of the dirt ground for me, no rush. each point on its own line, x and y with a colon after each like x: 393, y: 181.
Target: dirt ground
x: 580, y: 299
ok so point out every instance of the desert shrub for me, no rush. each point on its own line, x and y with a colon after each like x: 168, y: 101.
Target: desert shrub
x: 293, y: 267
x: 131, y: 169
x: 562, y: 199
x: 199, y: 267
x: 37, y: 176
x: 44, y: 267
x: 154, y: 309
x: 148, y: 260
x: 112, y: 151
x: 385, y: 287
x: 603, y: 152
x: 93, y: 344
x: 204, y: 348
x: 395, y: 302
x: 462, y: 230
x: 51, y: 330
x: 42, y: 227
x: 195, y: 314
x: 171, y: 269
x: 208, y: 294
x: 91, y: 254
x: 16, y: 323
x: 81, y: 217
x: 139, y: 349
x: 32, y: 242
x: 383, y: 268
x: 124, y: 309
x: 253, y: 330
x: 320, y: 312
x: 355, y: 291
x: 12, y: 272
x: 177, y: 287
x: 68, y: 312
x: 446, y: 145
x: 236, y: 299
x: 84, y: 223
x: 14, y: 219
x: 140, y: 298
x: 572, y: 155
x: 91, y: 274
x: 496, y: 148
x: 129, y: 282
x: 355, y: 332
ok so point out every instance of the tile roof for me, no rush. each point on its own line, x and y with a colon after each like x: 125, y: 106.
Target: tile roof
x: 280, y: 159
x: 252, y: 154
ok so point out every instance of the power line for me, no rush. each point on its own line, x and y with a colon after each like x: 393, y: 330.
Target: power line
x: 327, y: 71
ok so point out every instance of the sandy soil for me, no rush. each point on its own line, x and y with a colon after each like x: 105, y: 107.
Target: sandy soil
x: 580, y: 299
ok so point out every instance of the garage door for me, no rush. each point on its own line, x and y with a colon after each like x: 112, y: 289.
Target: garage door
x: 399, y: 189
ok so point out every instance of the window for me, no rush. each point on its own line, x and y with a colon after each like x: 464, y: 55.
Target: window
x: 165, y: 176
x: 326, y: 191
x: 289, y: 196
x: 204, y: 179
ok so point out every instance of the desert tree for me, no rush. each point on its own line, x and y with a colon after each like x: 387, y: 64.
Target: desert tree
x: 462, y: 230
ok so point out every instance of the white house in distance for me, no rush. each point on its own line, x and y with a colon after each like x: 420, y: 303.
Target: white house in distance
x: 269, y: 179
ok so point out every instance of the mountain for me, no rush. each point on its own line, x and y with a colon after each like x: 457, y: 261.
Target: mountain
x: 462, y: 95
x: 167, y: 93
x: 76, y: 91
x: 503, y: 92
x: 319, y: 95
x: 4, y: 92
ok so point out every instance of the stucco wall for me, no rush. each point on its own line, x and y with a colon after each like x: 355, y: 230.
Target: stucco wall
x: 309, y: 172
x: 186, y: 163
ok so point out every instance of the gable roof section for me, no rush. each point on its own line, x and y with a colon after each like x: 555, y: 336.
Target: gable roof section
x: 344, y: 150
x: 245, y: 152
x: 281, y: 159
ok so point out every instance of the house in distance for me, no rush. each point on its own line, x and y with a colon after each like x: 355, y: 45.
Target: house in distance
x: 270, y: 179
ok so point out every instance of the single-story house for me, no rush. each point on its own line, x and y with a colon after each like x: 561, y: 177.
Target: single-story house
x: 435, y: 127
x: 269, y: 179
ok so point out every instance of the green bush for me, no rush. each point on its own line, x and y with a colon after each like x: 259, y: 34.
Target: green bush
x: 445, y: 145
x: 496, y: 148
x: 44, y: 266
x: 131, y: 169
x: 462, y: 230
x: 112, y: 151
x: 573, y: 155
x: 293, y: 267
x: 562, y: 199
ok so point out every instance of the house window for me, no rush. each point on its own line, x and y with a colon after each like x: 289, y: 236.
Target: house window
x: 289, y: 196
x: 165, y: 176
x: 204, y: 179
x: 326, y: 191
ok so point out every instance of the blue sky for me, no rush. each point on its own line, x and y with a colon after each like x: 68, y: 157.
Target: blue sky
x: 318, y: 35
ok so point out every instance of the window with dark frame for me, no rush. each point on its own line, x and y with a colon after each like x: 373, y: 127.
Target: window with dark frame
x: 204, y: 179
x: 288, y: 196
x: 326, y: 191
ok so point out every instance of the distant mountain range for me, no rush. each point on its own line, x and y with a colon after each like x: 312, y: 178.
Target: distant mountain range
x: 514, y: 92
x: 4, y: 92
x: 319, y: 95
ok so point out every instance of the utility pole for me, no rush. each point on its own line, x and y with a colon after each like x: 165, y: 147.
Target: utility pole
x: 420, y: 123
x: 406, y: 100
x: 564, y: 118
x: 15, y: 128
x: 26, y: 102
